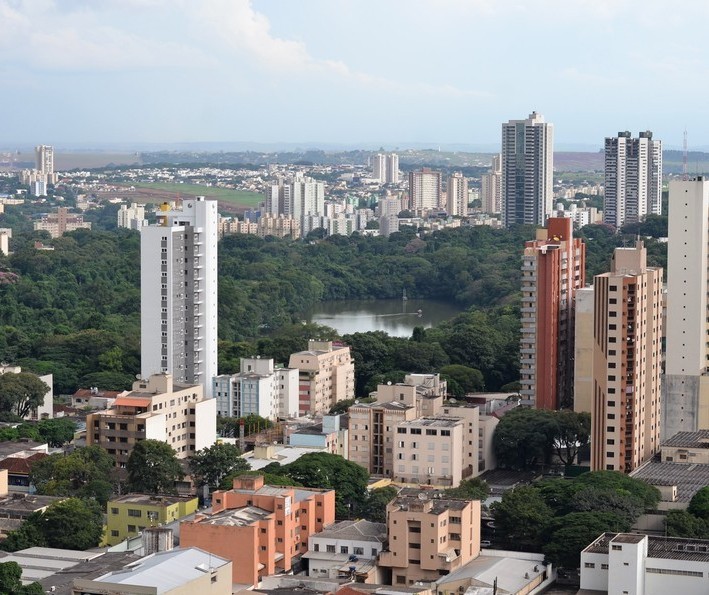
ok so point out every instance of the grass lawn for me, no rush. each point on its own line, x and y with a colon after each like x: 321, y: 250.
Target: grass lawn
x: 236, y: 197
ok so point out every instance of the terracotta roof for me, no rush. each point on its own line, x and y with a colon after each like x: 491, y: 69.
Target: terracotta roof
x: 21, y: 465
x: 87, y: 392
x: 132, y: 402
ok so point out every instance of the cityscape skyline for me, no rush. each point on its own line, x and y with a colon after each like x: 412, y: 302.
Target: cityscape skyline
x: 256, y: 72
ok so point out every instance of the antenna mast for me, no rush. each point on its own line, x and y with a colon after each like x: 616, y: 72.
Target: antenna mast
x: 685, y: 175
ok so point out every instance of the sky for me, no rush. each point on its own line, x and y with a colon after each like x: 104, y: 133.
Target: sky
x: 359, y: 73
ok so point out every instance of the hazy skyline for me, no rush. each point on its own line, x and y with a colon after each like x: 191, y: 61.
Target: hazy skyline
x: 350, y: 72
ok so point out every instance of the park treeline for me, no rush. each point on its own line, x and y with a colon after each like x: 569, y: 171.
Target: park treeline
x: 75, y: 311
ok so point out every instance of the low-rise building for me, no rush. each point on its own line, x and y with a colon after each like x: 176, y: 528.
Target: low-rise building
x: 326, y: 376
x: 61, y: 221
x: 175, y: 572
x: 331, y: 434
x: 429, y: 537
x: 346, y: 550
x: 620, y: 563
x: 156, y: 409
x: 260, y: 388
x: 130, y: 514
x: 262, y: 529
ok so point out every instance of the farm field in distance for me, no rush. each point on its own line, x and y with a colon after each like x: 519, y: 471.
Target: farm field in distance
x: 230, y: 199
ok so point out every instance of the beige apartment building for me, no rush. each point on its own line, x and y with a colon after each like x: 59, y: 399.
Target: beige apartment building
x: 372, y: 428
x: 627, y: 333
x: 429, y: 537
x: 387, y: 437
x: 61, y: 221
x: 326, y: 376
x: 156, y: 409
x: 428, y: 451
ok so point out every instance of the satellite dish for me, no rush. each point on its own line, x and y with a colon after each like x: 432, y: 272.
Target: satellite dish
x: 422, y: 496
x: 452, y: 400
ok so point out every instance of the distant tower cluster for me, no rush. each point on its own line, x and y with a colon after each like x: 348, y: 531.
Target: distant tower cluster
x: 457, y: 195
x: 386, y: 168
x: 178, y: 297
x: 527, y: 171
x: 43, y: 173
x: 424, y: 189
x: 633, y: 178
x: 301, y: 198
x: 553, y: 269
x: 491, y: 193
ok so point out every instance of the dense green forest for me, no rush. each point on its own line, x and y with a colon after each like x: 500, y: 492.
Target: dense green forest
x: 74, y: 311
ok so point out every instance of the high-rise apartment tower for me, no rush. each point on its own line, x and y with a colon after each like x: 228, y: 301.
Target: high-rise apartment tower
x: 627, y: 359
x: 685, y: 403
x: 527, y: 170
x: 633, y: 178
x: 424, y: 189
x: 552, y: 270
x: 457, y: 195
x: 178, y: 296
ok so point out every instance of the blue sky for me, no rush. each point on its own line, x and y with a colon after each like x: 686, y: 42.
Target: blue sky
x: 353, y: 72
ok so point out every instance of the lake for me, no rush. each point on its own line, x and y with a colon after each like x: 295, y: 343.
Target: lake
x: 395, y: 317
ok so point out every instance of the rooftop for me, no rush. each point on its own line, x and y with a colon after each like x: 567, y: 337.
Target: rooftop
x: 62, y: 582
x: 148, y: 499
x: 12, y: 447
x: 699, y: 439
x: 235, y: 517
x: 437, y: 422
x: 673, y: 548
x: 166, y: 570
x: 21, y: 465
x: 361, y: 530
x: 512, y: 574
x: 438, y: 505
x: 283, y: 455
x: 688, y: 477
x: 24, y: 503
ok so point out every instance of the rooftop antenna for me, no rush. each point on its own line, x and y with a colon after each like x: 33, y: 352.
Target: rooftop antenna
x: 685, y: 173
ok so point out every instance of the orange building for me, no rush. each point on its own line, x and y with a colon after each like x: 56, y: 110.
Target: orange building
x: 553, y: 268
x: 430, y: 537
x: 260, y: 528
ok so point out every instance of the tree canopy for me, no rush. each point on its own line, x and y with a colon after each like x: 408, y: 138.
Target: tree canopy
x: 11, y: 583
x: 21, y: 393
x: 329, y: 471
x: 153, y: 468
x: 212, y: 464
x: 85, y: 473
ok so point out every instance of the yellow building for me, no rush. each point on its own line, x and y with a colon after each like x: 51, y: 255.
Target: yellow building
x: 127, y: 515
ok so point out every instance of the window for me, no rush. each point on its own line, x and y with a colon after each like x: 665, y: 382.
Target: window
x: 344, y: 549
x: 131, y: 528
x: 400, y: 580
x: 617, y: 548
x: 589, y: 565
x: 134, y: 512
x: 114, y: 533
x: 316, y: 547
x: 114, y: 511
x: 331, y: 549
x: 604, y: 566
x: 401, y: 430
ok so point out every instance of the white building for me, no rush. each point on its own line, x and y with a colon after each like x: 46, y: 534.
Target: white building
x: 424, y: 189
x: 457, y: 195
x: 178, y: 297
x: 337, y: 549
x: 259, y: 388
x: 379, y: 168
x: 633, y: 178
x: 491, y: 182
x: 5, y: 235
x: 685, y: 403
x: 301, y: 198
x: 131, y: 217
x: 392, y: 172
x: 527, y: 170
x: 633, y: 564
x: 44, y: 165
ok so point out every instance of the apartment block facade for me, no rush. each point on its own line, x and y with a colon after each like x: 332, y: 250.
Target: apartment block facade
x: 527, y: 171
x: 491, y: 187
x: 686, y: 390
x: 178, y: 297
x: 429, y: 537
x: 128, y: 515
x: 425, y: 189
x: 633, y: 178
x: 553, y: 269
x: 156, y: 409
x: 457, y: 195
x: 260, y: 528
x: 627, y: 358
x: 61, y: 221
x: 325, y: 376
x: 260, y: 388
